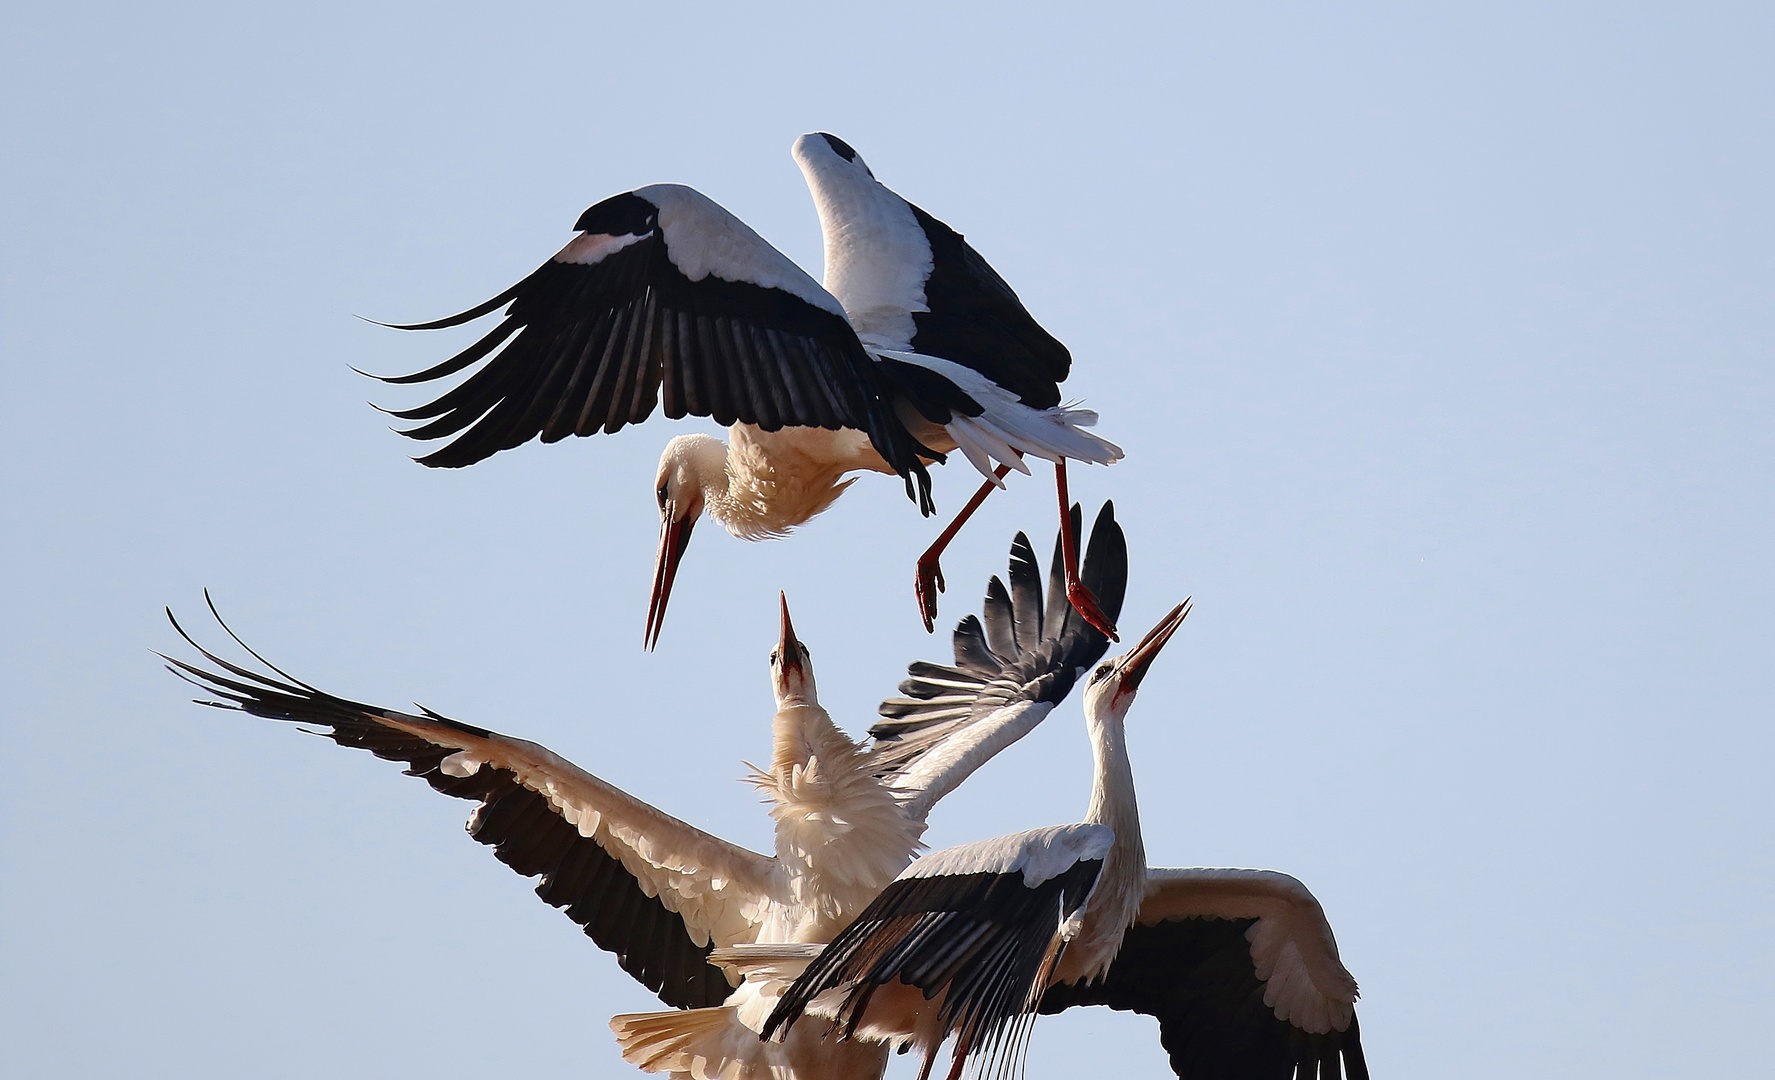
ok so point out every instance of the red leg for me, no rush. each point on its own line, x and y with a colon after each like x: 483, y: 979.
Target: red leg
x: 1076, y: 593
x: 960, y: 1061
x: 930, y: 573
x: 930, y: 1055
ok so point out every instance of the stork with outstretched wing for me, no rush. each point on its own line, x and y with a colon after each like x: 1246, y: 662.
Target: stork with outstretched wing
x: 662, y: 894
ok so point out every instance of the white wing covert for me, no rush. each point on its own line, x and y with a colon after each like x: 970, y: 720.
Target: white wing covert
x: 911, y: 283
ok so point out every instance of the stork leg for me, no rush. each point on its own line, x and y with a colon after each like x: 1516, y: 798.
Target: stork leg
x: 962, y: 1046
x: 1076, y: 593
x: 924, y: 1071
x: 930, y: 572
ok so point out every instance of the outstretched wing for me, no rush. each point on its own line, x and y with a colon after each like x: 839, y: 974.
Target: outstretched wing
x: 655, y: 891
x: 664, y: 297
x: 1011, y: 668
x: 1242, y: 972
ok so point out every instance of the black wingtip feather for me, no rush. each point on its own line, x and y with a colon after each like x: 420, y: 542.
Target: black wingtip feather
x: 1020, y: 647
x: 473, y: 313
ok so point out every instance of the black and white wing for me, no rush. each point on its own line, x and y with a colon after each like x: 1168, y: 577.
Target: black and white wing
x: 1242, y: 972
x: 911, y: 283
x: 665, y: 299
x: 975, y: 929
x: 1011, y: 668
x: 657, y: 892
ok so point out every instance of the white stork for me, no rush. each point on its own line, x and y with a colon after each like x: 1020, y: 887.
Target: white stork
x: 912, y: 349
x: 1239, y: 966
x: 662, y: 894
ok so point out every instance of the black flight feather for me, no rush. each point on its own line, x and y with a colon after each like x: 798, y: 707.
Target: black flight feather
x: 984, y: 941
x: 1020, y: 649
x: 590, y: 347
x: 525, y: 831
x: 1197, y: 978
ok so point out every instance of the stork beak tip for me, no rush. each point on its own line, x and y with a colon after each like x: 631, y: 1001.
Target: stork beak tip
x: 1141, y: 657
x: 788, y: 645
x: 674, y: 537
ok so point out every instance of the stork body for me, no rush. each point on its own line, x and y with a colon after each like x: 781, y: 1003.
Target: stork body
x: 664, y: 895
x: 914, y: 348
x: 841, y: 836
x: 1239, y: 966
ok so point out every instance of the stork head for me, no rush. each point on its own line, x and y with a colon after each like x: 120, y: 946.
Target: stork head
x: 791, y: 669
x: 690, y: 464
x: 1111, y: 686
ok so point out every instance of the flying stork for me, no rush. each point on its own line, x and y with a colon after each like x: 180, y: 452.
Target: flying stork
x: 662, y: 894
x: 1239, y: 966
x: 913, y: 348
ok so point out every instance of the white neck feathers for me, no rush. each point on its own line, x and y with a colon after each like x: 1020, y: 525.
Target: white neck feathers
x: 1122, y: 884
x: 1112, y: 795
x: 842, y: 835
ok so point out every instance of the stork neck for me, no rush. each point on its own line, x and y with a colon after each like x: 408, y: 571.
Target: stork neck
x: 706, y: 460
x: 1112, y: 790
x: 1121, y: 885
x: 802, y: 730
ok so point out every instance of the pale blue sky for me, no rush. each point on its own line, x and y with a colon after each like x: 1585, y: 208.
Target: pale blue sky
x: 1439, y: 337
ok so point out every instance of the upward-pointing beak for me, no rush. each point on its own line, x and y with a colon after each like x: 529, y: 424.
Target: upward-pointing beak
x: 674, y: 537
x: 788, y: 646
x: 1140, y: 658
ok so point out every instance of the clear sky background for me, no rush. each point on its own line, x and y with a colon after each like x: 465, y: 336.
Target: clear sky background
x: 1439, y: 338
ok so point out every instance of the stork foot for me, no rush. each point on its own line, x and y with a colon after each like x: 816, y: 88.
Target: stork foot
x: 928, y: 585
x: 1086, y: 605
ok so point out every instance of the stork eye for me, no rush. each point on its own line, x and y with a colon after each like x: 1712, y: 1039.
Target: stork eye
x: 1102, y: 671
x: 663, y: 494
x: 773, y: 656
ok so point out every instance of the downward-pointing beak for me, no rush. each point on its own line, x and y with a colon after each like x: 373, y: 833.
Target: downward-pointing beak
x: 1140, y: 658
x: 674, y: 537
x: 789, y: 653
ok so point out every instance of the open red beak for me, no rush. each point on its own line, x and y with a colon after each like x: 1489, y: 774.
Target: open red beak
x: 674, y: 537
x: 1141, y: 657
x: 789, y: 653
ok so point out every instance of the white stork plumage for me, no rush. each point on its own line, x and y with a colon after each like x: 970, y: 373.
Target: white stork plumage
x: 1239, y: 966
x: 913, y: 348
x: 662, y: 894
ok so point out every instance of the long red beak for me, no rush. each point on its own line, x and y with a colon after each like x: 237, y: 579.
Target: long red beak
x: 1140, y: 658
x: 788, y: 645
x: 674, y: 537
